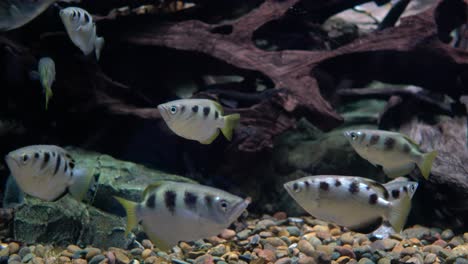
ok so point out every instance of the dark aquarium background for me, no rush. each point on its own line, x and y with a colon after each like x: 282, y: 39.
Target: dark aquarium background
x: 299, y: 72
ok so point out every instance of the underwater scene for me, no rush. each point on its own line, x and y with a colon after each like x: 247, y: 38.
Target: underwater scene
x: 233, y: 131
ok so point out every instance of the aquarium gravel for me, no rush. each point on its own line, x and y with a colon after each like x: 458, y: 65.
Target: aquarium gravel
x: 277, y: 239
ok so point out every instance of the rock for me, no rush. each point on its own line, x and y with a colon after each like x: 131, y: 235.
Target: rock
x: 244, y: 234
x: 79, y: 261
x: 204, y: 259
x: 430, y: 258
x: 275, y: 241
x: 37, y: 260
x: 40, y: 251
x: 146, y: 253
x: 306, y: 260
x: 265, y: 234
x: 280, y: 216
x: 305, y: 247
x: 146, y: 243
x: 447, y: 234
x: 293, y: 231
x: 347, y: 238
x: 64, y: 259
x: 456, y: 241
x: 228, y: 234
x: 414, y: 260
x: 27, y: 257
x: 345, y: 252
x: 218, y: 251
x: 13, y: 248
x: 91, y: 252
x: 97, y: 259
x: 284, y: 260
x: 366, y: 261
x: 24, y: 251
x: 267, y: 254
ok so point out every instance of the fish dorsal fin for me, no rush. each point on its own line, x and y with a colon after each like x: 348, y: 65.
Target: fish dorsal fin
x: 153, y: 186
x: 218, y: 107
x: 378, y: 188
x: 410, y: 140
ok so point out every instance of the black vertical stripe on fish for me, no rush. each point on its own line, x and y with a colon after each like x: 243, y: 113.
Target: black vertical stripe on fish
x: 406, y: 148
x: 195, y: 108
x: 380, y: 187
x: 216, y: 114
x: 36, y: 155
x: 45, y: 160
x: 87, y: 18
x: 170, y: 200
x: 354, y: 187
x: 324, y: 186
x: 182, y: 109
x: 151, y: 202
x: 209, y: 200
x: 68, y: 156
x: 389, y: 143
x: 374, y: 139
x: 363, y: 136
x: 295, y: 186
x: 206, y: 111
x: 53, y: 154
x: 71, y: 165
x: 307, y: 184
x: 373, y: 198
x: 57, y: 165
x: 190, y: 200
x: 405, y: 189
x: 395, y: 193
x: 337, y: 183
x: 65, y: 168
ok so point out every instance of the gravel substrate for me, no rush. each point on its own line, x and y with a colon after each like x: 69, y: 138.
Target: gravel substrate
x: 278, y: 240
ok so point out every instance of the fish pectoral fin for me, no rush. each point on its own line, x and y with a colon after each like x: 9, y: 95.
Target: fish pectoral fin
x: 425, y: 165
x: 230, y: 122
x: 158, y: 243
x: 367, y: 226
x: 98, y: 45
x: 212, y: 138
x: 399, y: 171
x: 130, y: 209
x: 80, y: 183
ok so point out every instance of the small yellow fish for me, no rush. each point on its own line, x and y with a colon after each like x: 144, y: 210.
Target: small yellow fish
x: 198, y: 119
x: 47, y: 172
x: 173, y: 211
x: 47, y: 77
x: 396, y: 153
x: 360, y: 204
x: 82, y: 30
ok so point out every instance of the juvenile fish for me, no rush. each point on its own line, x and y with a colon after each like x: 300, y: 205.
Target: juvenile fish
x: 16, y: 13
x: 47, y: 172
x: 172, y: 211
x: 46, y: 75
x: 360, y: 204
x: 198, y: 119
x: 82, y: 30
x: 396, y: 153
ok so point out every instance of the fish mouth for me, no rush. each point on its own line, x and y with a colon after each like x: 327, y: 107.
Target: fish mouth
x: 10, y: 161
x: 347, y: 134
x: 237, y: 210
x: 163, y: 112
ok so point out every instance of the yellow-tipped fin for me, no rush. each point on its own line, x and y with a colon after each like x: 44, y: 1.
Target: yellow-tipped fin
x: 399, y: 212
x: 48, y: 95
x: 152, y: 186
x: 426, y: 163
x: 130, y: 209
x: 81, y: 181
x: 230, y: 122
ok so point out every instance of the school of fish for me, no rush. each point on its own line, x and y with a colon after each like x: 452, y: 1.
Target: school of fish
x: 172, y: 211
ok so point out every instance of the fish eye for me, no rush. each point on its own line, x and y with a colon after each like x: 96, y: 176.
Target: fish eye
x: 296, y: 188
x: 353, y: 135
x: 224, y: 205
x: 412, y: 188
x: 173, y: 109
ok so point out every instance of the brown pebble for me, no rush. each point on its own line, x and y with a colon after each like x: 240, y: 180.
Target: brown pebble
x: 231, y: 256
x: 13, y: 248
x: 430, y: 258
x: 146, y: 253
x: 50, y: 260
x: 323, y: 235
x: 267, y: 254
x: 335, y: 231
x: 79, y: 261
x: 66, y: 253
x: 432, y: 249
x: 111, y: 257
x: 344, y: 251
x: 146, y: 243
x: 265, y: 234
x: 204, y: 259
x: 414, y: 260
x: 92, y: 252
x: 215, y: 240
x: 284, y: 260
x: 228, y: 234
x: 152, y: 260
x: 73, y: 248
x: 409, y: 251
x: 321, y: 228
x: 440, y: 243
x: 465, y: 237
x: 306, y: 260
x: 343, y: 260
x: 40, y: 251
x: 327, y: 249
x: 37, y: 260
x: 305, y: 247
x: 186, y: 248
x: 121, y: 258
x: 104, y: 261
x: 275, y: 241
x: 280, y: 215
x: 64, y: 259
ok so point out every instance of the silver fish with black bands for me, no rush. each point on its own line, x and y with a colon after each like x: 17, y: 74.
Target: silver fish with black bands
x: 173, y: 211
x: 360, y: 204
x: 47, y: 172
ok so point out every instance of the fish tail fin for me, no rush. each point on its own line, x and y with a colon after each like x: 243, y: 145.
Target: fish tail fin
x: 81, y: 181
x: 130, y: 208
x: 230, y: 122
x: 98, y: 45
x: 399, y: 213
x: 425, y: 164
x: 48, y: 95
